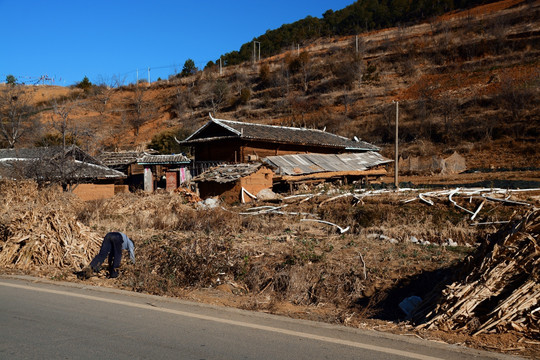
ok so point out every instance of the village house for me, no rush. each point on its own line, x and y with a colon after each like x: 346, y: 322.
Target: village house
x: 295, y: 155
x: 235, y: 182
x: 225, y: 141
x: 71, y: 167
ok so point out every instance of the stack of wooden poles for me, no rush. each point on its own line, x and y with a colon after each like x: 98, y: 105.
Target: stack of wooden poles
x: 499, y: 289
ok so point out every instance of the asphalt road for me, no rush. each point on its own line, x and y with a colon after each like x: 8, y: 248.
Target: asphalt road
x: 42, y: 319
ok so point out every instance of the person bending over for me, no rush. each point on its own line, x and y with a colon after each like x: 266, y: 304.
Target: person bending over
x: 112, y: 246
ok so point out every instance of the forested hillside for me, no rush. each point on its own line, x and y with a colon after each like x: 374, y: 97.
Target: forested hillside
x: 360, y: 17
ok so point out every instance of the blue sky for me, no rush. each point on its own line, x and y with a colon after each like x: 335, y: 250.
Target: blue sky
x: 67, y: 40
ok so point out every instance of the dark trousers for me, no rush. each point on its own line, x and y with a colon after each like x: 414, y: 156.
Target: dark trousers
x: 111, y: 246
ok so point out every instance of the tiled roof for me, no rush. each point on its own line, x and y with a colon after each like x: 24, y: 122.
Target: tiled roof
x: 280, y: 134
x: 51, y: 152
x: 163, y: 159
x: 227, y: 173
x: 302, y: 164
x: 47, y: 163
x: 111, y: 158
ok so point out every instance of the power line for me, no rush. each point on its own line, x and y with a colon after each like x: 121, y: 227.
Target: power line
x: 199, y: 63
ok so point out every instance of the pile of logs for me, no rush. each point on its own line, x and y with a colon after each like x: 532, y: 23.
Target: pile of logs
x: 499, y: 289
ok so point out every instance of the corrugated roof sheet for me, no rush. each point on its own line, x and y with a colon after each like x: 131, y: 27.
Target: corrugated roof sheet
x: 301, y: 164
x: 281, y: 134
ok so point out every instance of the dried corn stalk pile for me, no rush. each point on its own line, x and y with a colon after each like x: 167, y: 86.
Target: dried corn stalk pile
x: 39, y: 229
x: 501, y: 290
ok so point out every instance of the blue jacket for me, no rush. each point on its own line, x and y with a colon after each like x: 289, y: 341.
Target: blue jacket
x: 127, y: 244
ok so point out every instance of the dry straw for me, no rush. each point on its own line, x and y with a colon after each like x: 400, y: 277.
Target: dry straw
x: 39, y: 229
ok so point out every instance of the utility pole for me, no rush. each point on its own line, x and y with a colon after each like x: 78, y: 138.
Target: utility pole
x: 220, y: 71
x: 137, y: 76
x: 396, y: 169
x: 148, y: 75
x: 356, y: 39
x: 254, y: 51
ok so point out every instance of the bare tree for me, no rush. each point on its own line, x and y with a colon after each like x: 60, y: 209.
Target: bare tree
x: 300, y: 65
x: 218, y: 93
x: 118, y: 81
x: 15, y: 115
x: 184, y: 99
x: 449, y: 110
x: 61, y: 121
x: 102, y: 95
x: 305, y: 69
x: 64, y: 164
x: 140, y: 109
x: 348, y: 73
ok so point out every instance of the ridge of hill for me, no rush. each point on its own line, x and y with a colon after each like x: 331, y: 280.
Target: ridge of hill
x: 360, y: 16
x: 466, y: 81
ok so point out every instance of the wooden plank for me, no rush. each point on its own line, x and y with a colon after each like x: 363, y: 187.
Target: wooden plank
x: 328, y: 175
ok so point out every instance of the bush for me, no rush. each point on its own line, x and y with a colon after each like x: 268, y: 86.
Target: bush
x: 84, y: 84
x: 165, y: 142
x: 245, y: 95
x: 265, y: 76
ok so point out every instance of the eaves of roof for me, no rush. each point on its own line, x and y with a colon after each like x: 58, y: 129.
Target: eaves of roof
x: 263, y: 132
x: 333, y: 146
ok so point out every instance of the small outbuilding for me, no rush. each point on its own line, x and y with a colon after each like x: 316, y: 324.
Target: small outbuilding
x: 69, y: 166
x: 149, y: 171
x: 164, y: 171
x: 312, y: 168
x: 234, y: 183
x: 126, y: 162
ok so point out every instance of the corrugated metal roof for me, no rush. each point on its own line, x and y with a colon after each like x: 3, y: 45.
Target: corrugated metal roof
x: 301, y: 164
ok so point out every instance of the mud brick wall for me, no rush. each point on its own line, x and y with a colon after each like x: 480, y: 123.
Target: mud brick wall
x: 94, y: 191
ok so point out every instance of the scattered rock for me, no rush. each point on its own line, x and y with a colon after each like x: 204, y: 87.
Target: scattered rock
x: 414, y: 240
x: 382, y: 237
x: 267, y: 195
x: 209, y: 203
x: 450, y: 242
